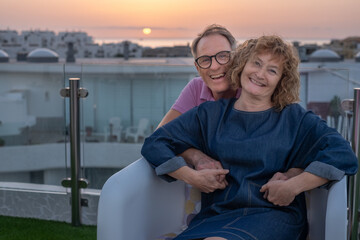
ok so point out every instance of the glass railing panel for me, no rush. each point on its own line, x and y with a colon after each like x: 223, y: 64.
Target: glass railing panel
x: 323, y: 89
x: 124, y: 97
x: 126, y: 102
x: 32, y: 123
x: 35, y: 119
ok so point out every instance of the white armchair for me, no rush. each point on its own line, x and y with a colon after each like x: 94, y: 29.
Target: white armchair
x: 113, y: 129
x: 137, y: 132
x: 135, y: 204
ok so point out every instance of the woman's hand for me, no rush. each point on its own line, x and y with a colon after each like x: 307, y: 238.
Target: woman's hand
x: 283, y: 192
x: 278, y: 192
x: 292, y: 172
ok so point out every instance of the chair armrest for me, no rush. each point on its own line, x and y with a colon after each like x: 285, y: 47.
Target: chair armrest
x: 327, y: 212
x: 130, y: 129
x: 136, y: 204
x: 336, y: 213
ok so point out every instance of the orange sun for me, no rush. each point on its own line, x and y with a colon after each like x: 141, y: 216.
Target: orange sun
x: 146, y: 31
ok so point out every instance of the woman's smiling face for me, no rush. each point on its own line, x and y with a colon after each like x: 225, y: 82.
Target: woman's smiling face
x: 261, y: 74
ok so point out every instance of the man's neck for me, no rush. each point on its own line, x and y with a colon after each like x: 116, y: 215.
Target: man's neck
x: 228, y: 94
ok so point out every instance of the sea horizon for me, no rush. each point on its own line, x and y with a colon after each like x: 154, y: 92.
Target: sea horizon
x: 171, y: 42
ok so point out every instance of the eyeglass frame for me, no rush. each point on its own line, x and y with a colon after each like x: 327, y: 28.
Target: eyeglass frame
x: 213, y: 56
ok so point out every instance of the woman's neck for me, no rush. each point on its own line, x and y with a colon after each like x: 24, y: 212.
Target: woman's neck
x: 251, y: 104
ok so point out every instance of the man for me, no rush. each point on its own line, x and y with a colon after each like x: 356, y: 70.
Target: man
x: 212, y: 51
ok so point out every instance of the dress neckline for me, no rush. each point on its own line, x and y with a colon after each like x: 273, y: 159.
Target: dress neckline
x: 250, y: 112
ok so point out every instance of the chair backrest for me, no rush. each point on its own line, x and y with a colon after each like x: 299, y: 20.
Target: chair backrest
x: 115, y: 122
x: 143, y: 125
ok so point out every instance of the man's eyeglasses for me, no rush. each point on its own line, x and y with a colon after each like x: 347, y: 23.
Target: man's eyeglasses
x: 205, y: 61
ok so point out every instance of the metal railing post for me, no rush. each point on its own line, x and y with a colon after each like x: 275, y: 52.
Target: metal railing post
x: 75, y: 150
x: 353, y: 190
x: 75, y: 182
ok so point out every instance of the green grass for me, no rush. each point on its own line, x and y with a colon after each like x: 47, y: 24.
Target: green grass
x: 12, y: 228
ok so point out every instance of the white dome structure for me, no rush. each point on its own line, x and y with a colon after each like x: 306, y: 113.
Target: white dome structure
x: 4, y: 57
x: 357, y: 57
x: 42, y: 55
x: 324, y: 55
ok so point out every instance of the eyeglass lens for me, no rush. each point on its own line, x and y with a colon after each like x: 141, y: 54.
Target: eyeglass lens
x: 206, y: 61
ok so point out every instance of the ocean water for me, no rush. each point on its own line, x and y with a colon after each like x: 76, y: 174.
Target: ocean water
x: 148, y: 42
x: 170, y: 42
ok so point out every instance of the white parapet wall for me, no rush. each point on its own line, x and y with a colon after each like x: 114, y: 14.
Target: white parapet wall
x: 17, y: 162
x: 53, y: 202
x: 46, y: 202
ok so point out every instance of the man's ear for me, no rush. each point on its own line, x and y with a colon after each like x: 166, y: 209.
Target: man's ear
x: 197, y: 67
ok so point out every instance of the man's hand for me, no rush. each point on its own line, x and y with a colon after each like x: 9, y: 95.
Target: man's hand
x: 202, y: 161
x: 205, y: 180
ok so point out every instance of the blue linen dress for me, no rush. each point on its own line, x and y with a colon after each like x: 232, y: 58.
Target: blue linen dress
x: 253, y: 146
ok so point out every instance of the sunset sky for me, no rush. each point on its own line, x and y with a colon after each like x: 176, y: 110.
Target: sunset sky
x: 325, y: 19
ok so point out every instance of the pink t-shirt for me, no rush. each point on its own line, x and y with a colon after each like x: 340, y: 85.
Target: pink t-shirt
x: 194, y: 93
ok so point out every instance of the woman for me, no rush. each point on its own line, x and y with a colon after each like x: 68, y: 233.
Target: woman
x: 263, y: 132
x: 212, y: 85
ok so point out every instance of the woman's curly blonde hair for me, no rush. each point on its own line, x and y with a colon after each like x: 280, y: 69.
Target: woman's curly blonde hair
x: 287, y: 90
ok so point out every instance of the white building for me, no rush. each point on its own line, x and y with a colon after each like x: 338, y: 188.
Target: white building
x: 325, y: 76
x: 15, y: 44
x: 9, y: 37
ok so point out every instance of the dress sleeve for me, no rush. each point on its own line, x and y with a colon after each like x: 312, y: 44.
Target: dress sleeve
x: 163, y: 146
x: 324, y: 152
x: 187, y: 98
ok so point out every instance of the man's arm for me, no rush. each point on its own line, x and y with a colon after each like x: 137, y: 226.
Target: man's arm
x: 292, y: 172
x: 169, y: 116
x: 200, y: 160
